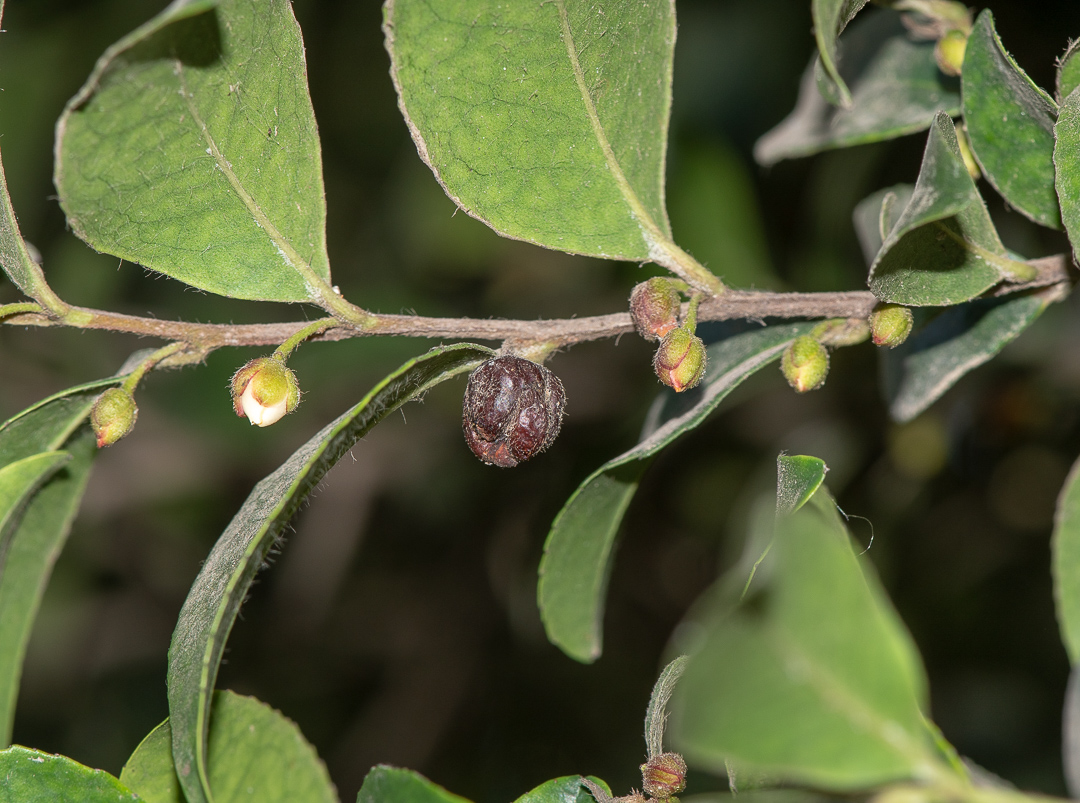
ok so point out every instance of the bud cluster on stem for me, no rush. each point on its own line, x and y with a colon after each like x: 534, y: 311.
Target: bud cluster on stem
x: 680, y: 360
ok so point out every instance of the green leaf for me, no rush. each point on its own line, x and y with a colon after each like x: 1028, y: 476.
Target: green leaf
x: 567, y: 789
x: 1067, y: 162
x: 192, y: 150
x: 211, y: 607
x: 797, y: 479
x: 547, y: 121
x: 957, y: 341
x: 577, y: 555
x: 384, y: 784
x: 1010, y: 124
x: 28, y: 552
x: 30, y: 775
x: 944, y: 248
x: 1066, y: 563
x: 877, y: 214
x: 830, y: 19
x: 1068, y: 72
x: 815, y: 681
x: 255, y: 753
x: 656, y: 714
x: 896, y: 89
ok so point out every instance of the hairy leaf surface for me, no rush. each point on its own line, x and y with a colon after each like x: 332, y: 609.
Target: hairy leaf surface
x: 797, y: 479
x: 1010, y: 124
x: 1067, y: 162
x: 896, y: 89
x: 814, y: 680
x: 255, y: 753
x: 192, y: 150
x: 30, y: 775
x: 547, y: 121
x: 212, y: 605
x: 830, y: 19
x: 578, y: 553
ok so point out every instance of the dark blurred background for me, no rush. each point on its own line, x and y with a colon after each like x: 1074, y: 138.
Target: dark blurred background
x: 399, y: 622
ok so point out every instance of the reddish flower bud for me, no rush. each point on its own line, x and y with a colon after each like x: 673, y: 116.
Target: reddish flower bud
x: 664, y: 776
x: 113, y: 416
x: 265, y: 390
x: 654, y: 307
x: 512, y: 410
x: 680, y: 360
x: 805, y: 364
x: 890, y: 325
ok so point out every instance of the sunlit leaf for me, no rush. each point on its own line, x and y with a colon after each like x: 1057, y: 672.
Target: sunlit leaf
x: 814, y: 680
x: 255, y: 753
x: 830, y: 19
x: 192, y: 150
x: 955, y: 342
x: 30, y: 775
x: 577, y: 555
x: 1067, y: 162
x: 1010, y: 124
x: 944, y: 248
x: 212, y: 605
x: 896, y: 89
x: 547, y: 121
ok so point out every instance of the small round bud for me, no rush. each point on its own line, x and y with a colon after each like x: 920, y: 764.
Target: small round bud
x: 265, y: 390
x: 949, y: 52
x: 113, y: 416
x: 512, y: 410
x: 680, y: 360
x: 664, y: 776
x: 654, y: 307
x: 805, y: 364
x: 890, y: 325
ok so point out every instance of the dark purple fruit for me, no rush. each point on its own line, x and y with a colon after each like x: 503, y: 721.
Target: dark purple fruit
x: 513, y: 410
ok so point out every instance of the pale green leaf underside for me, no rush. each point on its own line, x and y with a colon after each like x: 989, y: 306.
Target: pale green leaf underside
x: 797, y: 479
x: 193, y: 150
x: 255, y: 753
x: 547, y: 121
x: 875, y: 216
x: 896, y: 89
x: 1066, y: 563
x: 830, y: 19
x: 1010, y: 124
x: 212, y: 605
x: 577, y: 554
x: 944, y: 247
x: 30, y: 775
x: 818, y: 683
x: 956, y: 342
x: 1067, y: 162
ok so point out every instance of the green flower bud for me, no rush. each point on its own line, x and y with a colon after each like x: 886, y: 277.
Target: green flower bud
x: 949, y: 52
x: 664, y: 776
x: 265, y: 390
x: 680, y: 360
x: 890, y: 325
x: 654, y: 307
x: 113, y: 416
x: 805, y: 364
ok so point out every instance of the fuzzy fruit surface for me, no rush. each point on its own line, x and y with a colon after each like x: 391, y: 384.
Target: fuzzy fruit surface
x: 113, y: 416
x: 512, y: 411
x: 890, y: 325
x: 654, y: 307
x: 664, y: 775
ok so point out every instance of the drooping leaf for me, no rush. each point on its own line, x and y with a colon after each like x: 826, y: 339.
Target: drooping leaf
x: 797, y: 479
x: 830, y: 19
x: 877, y: 214
x: 1010, y: 124
x: 1067, y: 163
x: 1068, y: 72
x: 255, y: 753
x: 385, y: 783
x: 944, y: 249
x: 896, y: 89
x: 30, y: 775
x: 815, y: 681
x: 577, y: 555
x: 215, y: 598
x: 957, y: 341
x: 28, y: 552
x: 547, y: 121
x: 1066, y: 563
x: 192, y: 150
